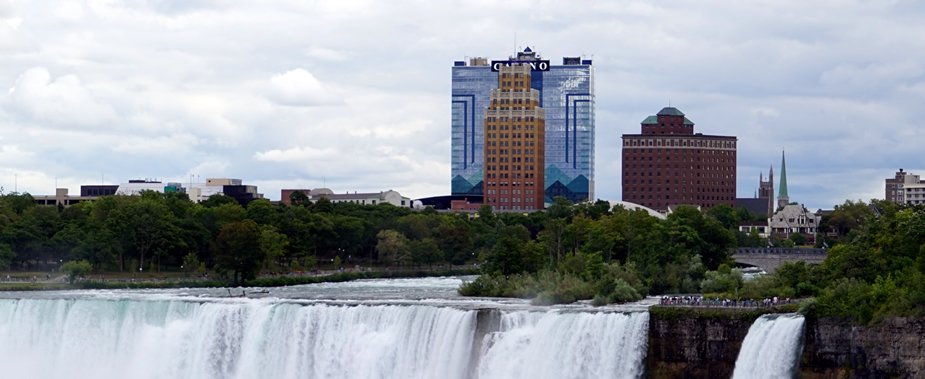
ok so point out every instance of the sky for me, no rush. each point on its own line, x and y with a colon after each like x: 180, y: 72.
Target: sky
x: 355, y: 95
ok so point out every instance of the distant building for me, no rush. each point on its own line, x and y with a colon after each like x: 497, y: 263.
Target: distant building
x: 447, y: 202
x: 783, y: 198
x: 61, y: 198
x: 515, y: 143
x: 905, y: 188
x: 98, y: 190
x: 566, y: 92
x: 795, y: 218
x: 667, y: 164
x: 763, y: 202
x: 914, y: 194
x: 286, y: 195
x: 362, y: 198
x: 136, y: 186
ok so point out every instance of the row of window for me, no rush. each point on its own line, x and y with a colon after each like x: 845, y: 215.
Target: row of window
x: 511, y: 151
x: 508, y: 168
x: 511, y: 143
x: 510, y: 135
x: 505, y: 159
x: 668, y: 197
x: 505, y: 175
x: 676, y: 142
x: 668, y: 181
x: 513, y: 191
x: 673, y: 151
x: 511, y: 127
x: 683, y: 174
x: 505, y: 184
x: 630, y: 189
x: 504, y: 200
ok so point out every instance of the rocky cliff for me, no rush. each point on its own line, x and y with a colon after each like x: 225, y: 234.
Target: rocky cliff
x: 704, y: 343
x: 836, y: 348
x: 695, y: 343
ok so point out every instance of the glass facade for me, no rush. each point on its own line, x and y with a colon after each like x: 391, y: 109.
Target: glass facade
x: 567, y: 95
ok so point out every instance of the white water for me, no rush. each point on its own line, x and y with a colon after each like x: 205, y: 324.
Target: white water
x: 771, y: 348
x: 566, y: 345
x: 157, y: 339
x: 145, y: 335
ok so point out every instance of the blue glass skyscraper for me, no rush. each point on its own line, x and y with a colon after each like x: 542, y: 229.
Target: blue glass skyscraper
x: 567, y: 95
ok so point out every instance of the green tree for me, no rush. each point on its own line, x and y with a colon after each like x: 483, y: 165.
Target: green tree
x: 273, y: 245
x: 76, y: 269
x: 392, y: 247
x: 148, y: 228
x: 425, y: 252
x: 298, y: 198
x: 237, y: 250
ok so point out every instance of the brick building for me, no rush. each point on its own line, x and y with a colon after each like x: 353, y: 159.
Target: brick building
x: 514, y: 149
x: 668, y: 164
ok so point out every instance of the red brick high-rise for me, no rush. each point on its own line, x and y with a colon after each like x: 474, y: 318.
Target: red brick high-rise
x: 515, y: 144
x: 668, y: 164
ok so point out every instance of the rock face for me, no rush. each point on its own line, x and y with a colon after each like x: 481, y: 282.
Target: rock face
x: 836, y: 348
x: 691, y: 343
x: 695, y: 345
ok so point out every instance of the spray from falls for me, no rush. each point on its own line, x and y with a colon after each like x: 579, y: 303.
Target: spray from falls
x: 772, y: 348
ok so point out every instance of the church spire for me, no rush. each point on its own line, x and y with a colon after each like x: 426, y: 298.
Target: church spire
x: 782, y: 197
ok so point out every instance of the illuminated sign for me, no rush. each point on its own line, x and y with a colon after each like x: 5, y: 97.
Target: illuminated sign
x: 534, y: 65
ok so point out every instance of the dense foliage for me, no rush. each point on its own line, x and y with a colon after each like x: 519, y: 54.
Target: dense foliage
x: 588, y: 251
x: 165, y: 231
x: 875, y: 267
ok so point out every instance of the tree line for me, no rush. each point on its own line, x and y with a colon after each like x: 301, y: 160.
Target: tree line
x: 565, y: 253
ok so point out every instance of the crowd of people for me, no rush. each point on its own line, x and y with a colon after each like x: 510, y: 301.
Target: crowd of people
x: 700, y: 301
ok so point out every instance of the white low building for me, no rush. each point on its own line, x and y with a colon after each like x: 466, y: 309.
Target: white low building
x: 362, y: 198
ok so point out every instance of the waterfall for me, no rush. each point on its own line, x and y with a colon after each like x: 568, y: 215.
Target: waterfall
x: 177, y: 339
x: 771, y: 348
x: 566, y: 345
x: 247, y: 338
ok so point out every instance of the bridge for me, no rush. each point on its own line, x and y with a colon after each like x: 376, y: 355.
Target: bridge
x: 770, y: 258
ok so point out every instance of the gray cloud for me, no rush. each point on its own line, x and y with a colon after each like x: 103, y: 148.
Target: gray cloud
x: 355, y: 95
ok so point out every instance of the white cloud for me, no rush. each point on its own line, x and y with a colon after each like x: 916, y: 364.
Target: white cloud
x: 295, y: 154
x: 63, y: 100
x: 299, y: 87
x: 326, y: 54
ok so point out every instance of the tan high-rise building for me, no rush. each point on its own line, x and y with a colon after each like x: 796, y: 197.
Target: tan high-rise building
x: 515, y: 143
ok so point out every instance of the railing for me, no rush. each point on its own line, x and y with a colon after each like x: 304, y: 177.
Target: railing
x: 778, y: 250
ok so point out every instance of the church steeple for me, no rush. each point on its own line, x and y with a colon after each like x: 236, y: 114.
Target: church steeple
x: 782, y: 197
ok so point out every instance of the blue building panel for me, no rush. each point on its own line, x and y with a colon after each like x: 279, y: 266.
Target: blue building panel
x: 566, y: 95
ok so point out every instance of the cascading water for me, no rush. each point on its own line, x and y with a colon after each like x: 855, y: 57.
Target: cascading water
x: 771, y: 348
x: 248, y: 338
x: 177, y: 339
x: 566, y: 345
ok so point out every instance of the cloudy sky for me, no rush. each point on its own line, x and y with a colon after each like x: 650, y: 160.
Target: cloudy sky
x: 354, y: 95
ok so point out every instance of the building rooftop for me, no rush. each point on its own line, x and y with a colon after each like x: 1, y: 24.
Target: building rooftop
x: 667, y: 111
x: 670, y: 111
